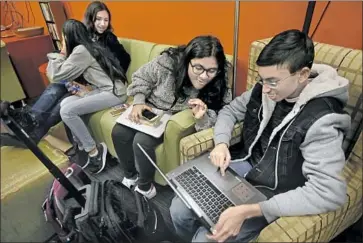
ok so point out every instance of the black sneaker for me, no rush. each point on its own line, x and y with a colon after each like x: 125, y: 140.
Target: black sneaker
x: 25, y: 118
x: 80, y: 158
x: 72, y: 151
x: 98, y: 163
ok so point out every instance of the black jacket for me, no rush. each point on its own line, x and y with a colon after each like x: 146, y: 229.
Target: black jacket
x: 110, y: 41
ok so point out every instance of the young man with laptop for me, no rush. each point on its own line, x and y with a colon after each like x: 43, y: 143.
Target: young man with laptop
x: 291, y: 144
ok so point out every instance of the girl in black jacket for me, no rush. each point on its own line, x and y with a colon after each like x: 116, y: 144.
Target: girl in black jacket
x: 98, y: 22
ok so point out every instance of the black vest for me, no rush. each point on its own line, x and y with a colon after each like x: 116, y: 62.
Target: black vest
x: 287, y: 155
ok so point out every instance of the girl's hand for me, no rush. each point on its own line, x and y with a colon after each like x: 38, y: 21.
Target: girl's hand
x: 136, y: 112
x: 199, y: 108
x: 79, y: 89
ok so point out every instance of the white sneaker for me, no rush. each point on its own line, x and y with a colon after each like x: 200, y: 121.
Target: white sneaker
x: 148, y: 194
x: 129, y: 182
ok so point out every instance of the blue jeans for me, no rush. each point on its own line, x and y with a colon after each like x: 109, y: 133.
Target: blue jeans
x: 46, y: 108
x: 189, y: 229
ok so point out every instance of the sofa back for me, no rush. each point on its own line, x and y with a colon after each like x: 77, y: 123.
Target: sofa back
x: 142, y: 52
x: 348, y: 63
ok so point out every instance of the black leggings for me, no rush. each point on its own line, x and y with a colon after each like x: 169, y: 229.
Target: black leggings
x: 125, y: 141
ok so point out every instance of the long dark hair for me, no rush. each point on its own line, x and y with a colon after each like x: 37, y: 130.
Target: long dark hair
x: 199, y: 47
x: 75, y: 34
x: 91, y: 14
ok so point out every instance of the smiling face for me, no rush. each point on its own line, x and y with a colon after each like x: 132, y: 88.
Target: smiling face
x: 202, y: 70
x: 279, y: 84
x: 102, y: 21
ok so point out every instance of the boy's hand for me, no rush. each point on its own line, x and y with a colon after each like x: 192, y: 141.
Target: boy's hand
x: 230, y: 221
x: 220, y: 156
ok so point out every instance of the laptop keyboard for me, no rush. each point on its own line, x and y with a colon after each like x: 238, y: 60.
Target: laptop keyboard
x: 204, y: 193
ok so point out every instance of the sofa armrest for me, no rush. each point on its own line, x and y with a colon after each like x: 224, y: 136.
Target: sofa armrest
x: 310, y: 228
x: 167, y: 154
x: 198, y: 143
x: 292, y: 229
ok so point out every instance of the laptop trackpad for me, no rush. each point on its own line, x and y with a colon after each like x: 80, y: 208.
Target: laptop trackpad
x: 226, y: 182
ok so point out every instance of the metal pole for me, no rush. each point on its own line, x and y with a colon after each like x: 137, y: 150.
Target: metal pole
x: 235, y: 46
x: 308, y: 17
x: 53, y: 169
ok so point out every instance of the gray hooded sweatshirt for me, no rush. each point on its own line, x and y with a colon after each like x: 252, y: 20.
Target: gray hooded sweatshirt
x: 81, y: 62
x: 325, y: 189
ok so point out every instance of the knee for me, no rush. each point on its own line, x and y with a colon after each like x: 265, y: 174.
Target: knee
x: 138, y: 139
x: 201, y: 235
x: 116, y: 133
x: 64, y: 101
x: 120, y: 133
x: 179, y: 213
x: 144, y: 140
x: 66, y: 111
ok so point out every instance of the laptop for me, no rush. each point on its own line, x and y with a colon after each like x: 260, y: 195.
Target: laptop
x: 202, y: 188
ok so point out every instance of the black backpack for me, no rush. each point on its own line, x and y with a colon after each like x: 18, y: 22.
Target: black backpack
x: 106, y: 219
x: 153, y: 219
x: 84, y: 211
x: 103, y: 219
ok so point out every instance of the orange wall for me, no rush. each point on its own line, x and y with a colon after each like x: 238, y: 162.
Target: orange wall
x: 178, y: 22
x: 341, y: 24
x: 169, y: 22
x: 259, y: 20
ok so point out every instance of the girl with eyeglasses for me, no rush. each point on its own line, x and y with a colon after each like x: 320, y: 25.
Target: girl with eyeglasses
x: 192, y: 76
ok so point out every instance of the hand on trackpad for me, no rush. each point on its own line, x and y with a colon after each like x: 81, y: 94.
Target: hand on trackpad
x: 225, y: 182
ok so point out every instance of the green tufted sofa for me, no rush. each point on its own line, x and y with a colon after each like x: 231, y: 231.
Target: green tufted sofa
x: 322, y: 227
x: 179, y: 126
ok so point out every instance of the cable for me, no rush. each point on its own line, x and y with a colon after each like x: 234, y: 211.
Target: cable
x: 5, y: 6
x: 15, y: 11
x: 27, y: 11
x: 321, y: 17
x: 31, y: 10
x: 29, y: 7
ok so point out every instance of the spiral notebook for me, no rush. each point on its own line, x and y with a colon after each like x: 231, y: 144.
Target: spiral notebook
x: 155, y: 131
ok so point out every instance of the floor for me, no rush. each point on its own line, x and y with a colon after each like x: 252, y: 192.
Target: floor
x: 165, y: 194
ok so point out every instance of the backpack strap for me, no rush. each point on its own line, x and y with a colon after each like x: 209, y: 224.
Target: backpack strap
x: 147, y: 216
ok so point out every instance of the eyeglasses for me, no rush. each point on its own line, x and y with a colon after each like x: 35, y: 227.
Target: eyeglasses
x: 199, y: 69
x: 271, y: 84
